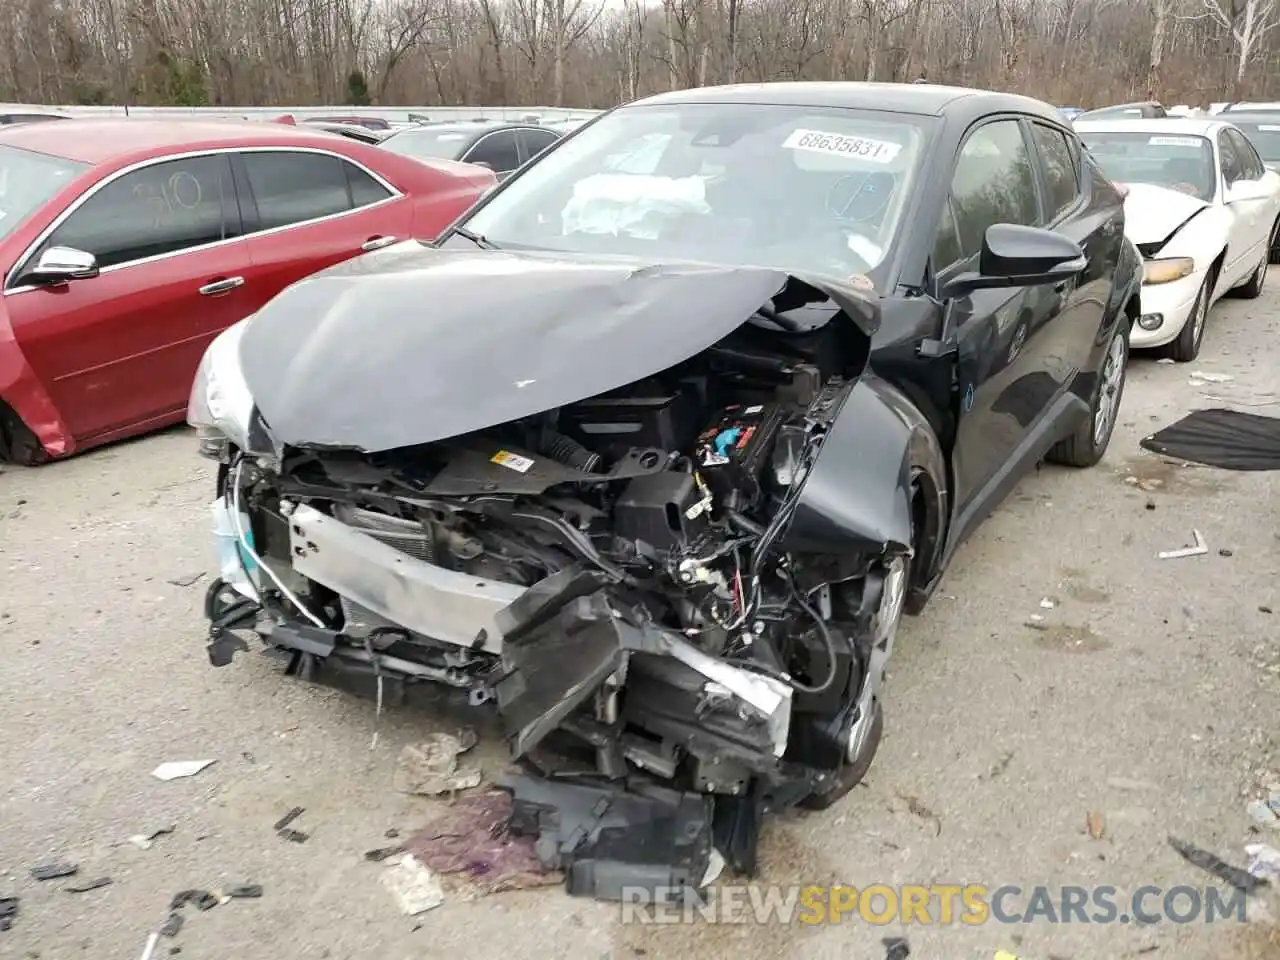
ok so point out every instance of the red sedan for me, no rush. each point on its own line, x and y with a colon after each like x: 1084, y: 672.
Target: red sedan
x: 127, y: 245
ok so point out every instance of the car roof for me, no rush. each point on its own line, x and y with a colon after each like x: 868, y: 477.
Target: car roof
x: 1251, y: 116
x: 1186, y: 126
x: 102, y: 141
x: 923, y: 99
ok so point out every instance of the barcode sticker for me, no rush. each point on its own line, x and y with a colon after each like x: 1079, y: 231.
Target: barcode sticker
x: 512, y: 461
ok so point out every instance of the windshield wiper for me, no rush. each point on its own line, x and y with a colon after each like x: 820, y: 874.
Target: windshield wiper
x: 480, y: 241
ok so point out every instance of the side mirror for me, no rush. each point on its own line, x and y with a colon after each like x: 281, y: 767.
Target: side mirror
x: 1246, y: 190
x: 1017, y: 256
x: 59, y: 264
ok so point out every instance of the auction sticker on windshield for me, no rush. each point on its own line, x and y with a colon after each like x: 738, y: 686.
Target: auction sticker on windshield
x: 864, y: 148
x: 1175, y: 141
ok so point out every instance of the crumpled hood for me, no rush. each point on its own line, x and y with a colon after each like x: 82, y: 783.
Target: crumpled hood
x: 415, y: 345
x: 1152, y: 213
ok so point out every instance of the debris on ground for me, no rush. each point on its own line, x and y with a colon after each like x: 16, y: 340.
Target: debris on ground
x: 612, y: 836
x: 918, y: 809
x: 293, y: 836
x: 383, y: 853
x: 52, y: 871
x: 1224, y: 552
x: 430, y: 768
x: 242, y: 891
x: 473, y: 844
x: 8, y: 910
x: 1145, y: 484
x: 176, y: 769
x: 1262, y: 814
x: 288, y: 818
x: 1093, y: 823
x: 895, y: 948
x: 1264, y: 861
x: 1047, y: 603
x: 85, y: 887
x: 416, y: 888
x: 1206, y: 378
x: 201, y: 899
x: 188, y: 579
x: 144, y: 841
x: 1241, y: 880
x: 172, y: 925
x: 1128, y: 783
x: 1199, y: 549
x: 149, y: 950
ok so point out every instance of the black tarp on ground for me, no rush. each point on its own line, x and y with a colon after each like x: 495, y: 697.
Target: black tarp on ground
x: 1227, y: 439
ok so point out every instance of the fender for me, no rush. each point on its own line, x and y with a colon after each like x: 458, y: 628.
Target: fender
x: 879, y: 453
x: 22, y: 392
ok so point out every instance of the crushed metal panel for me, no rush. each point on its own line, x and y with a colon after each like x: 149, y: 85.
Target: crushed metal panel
x: 426, y: 599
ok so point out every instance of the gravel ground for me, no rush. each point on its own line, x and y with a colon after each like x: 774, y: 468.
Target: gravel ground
x: 1148, y: 698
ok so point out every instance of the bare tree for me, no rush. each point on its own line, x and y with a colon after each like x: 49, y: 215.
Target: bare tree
x: 1249, y: 22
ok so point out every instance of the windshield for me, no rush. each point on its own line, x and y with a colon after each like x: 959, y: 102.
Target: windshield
x: 1265, y: 137
x: 27, y: 181
x: 1182, y: 162
x: 801, y: 189
x: 427, y: 144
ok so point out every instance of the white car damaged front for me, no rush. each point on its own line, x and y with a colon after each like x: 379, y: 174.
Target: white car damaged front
x: 1187, y: 247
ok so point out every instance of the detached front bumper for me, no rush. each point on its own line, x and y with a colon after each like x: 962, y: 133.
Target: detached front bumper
x: 1171, y: 303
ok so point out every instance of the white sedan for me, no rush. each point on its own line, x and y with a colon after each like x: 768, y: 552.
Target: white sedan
x: 1204, y: 212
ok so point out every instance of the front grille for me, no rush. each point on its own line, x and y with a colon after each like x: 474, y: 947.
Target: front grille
x: 407, y: 536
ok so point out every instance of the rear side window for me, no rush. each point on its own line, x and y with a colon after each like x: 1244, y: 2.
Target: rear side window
x: 294, y: 187
x: 364, y: 189
x: 994, y: 182
x: 159, y: 209
x: 1059, y: 169
x: 497, y: 150
x: 535, y: 141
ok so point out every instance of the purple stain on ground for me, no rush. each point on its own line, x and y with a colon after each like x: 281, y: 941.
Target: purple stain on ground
x: 472, y: 838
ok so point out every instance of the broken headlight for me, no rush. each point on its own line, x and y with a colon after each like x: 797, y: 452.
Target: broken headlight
x: 221, y: 405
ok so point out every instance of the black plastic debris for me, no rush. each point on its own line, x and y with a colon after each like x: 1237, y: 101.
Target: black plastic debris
x: 287, y: 819
x: 200, y: 899
x: 895, y: 948
x: 382, y: 853
x: 171, y: 926
x: 85, y: 887
x: 8, y: 911
x: 607, y: 837
x: 1227, y: 439
x: 1236, y: 877
x: 293, y: 836
x: 52, y: 871
x: 244, y: 891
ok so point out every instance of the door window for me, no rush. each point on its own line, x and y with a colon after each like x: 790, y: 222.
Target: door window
x: 1059, y: 169
x: 497, y: 150
x: 994, y: 182
x: 535, y: 141
x: 294, y: 187
x: 162, y: 208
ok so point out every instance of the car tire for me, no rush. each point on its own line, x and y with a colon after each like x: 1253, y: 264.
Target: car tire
x: 1086, y: 446
x: 17, y: 443
x: 850, y: 775
x: 1253, y: 289
x: 1187, y: 346
x: 1275, y: 242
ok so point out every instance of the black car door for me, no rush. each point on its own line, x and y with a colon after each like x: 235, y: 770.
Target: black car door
x: 1004, y: 336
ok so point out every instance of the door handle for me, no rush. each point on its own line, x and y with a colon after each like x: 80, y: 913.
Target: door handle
x: 216, y: 288
x: 377, y: 243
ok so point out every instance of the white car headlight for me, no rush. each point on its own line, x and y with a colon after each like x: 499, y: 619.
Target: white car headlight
x: 1167, y: 270
x: 221, y: 405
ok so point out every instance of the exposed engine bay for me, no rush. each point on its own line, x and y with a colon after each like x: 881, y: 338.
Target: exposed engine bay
x: 620, y: 575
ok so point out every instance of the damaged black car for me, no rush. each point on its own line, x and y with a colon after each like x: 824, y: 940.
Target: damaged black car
x: 653, y: 449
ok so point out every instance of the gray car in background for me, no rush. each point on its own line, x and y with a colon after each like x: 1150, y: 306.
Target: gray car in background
x: 502, y: 147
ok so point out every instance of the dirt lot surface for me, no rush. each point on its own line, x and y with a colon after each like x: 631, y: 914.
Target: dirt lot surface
x: 1146, y: 697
